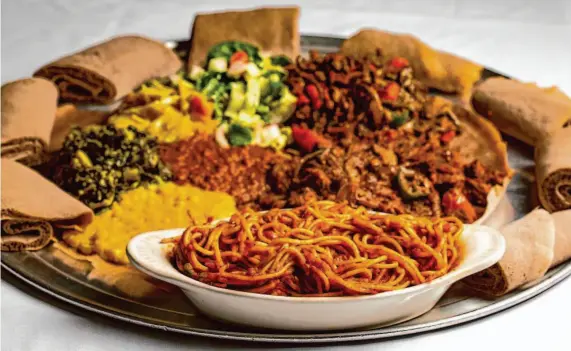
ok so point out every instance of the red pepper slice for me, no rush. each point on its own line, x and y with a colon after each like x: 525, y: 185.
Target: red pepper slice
x: 199, y: 108
x: 307, y: 139
x: 448, y: 136
x: 454, y: 200
x: 239, y: 56
x: 302, y: 100
x: 312, y: 91
x: 390, y: 91
x: 313, y: 94
x: 398, y: 63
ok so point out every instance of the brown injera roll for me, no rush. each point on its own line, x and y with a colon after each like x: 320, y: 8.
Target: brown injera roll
x: 67, y: 117
x: 32, y: 207
x: 522, y: 110
x: 273, y: 30
x: 109, y: 70
x: 562, y: 249
x: 436, y: 69
x: 28, y: 112
x: 529, y: 254
x: 553, y: 171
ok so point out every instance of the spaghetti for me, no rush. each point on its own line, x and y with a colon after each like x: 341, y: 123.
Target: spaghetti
x: 320, y: 249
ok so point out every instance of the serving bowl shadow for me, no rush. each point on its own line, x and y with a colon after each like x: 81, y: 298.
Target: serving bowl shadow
x: 484, y: 246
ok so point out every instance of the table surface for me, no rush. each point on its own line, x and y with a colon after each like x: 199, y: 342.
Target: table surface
x: 528, y: 40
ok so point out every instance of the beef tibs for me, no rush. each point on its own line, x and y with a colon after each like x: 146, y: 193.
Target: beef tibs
x: 367, y: 133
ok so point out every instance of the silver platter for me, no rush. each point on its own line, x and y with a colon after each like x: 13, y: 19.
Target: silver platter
x: 174, y: 313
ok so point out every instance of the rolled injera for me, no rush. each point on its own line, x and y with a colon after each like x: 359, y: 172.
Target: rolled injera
x: 562, y: 249
x: 522, y: 110
x: 109, y: 70
x: 32, y: 207
x: 553, y: 170
x: 530, y: 243
x: 274, y: 30
x: 28, y: 112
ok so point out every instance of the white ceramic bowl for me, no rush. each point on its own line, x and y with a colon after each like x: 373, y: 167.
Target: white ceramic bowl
x: 484, y: 247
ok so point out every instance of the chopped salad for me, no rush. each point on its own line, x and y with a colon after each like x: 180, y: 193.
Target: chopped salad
x: 239, y: 96
x: 250, y: 97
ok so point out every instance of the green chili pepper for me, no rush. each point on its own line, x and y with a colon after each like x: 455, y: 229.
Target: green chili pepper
x: 413, y: 185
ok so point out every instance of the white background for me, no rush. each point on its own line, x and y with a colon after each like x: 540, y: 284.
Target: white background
x: 529, y: 40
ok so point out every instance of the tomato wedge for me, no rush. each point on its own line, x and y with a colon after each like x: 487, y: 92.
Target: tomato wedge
x: 307, y: 139
x: 390, y: 91
x: 239, y: 56
x: 398, y: 63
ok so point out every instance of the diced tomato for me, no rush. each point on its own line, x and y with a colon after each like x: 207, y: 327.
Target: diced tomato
x: 313, y: 94
x: 196, y: 105
x: 302, y: 100
x: 200, y: 108
x: 448, y: 136
x: 398, y: 63
x: 390, y: 91
x: 239, y: 56
x: 307, y: 139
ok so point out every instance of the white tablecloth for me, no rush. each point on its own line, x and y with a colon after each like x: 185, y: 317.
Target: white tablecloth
x: 530, y: 40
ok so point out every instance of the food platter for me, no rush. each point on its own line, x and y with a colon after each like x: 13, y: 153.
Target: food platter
x: 172, y: 312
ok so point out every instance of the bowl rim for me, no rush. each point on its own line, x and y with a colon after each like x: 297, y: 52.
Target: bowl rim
x: 182, y: 281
